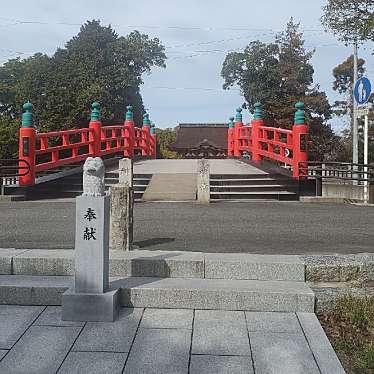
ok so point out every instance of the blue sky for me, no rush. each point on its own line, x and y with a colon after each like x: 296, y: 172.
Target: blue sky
x: 197, y: 34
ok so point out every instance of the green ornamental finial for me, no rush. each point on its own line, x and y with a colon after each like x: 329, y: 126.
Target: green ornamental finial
x: 231, y: 122
x: 129, y: 113
x: 27, y: 116
x: 239, y: 117
x: 300, y: 114
x: 258, y: 111
x: 146, y: 120
x: 95, y: 112
x: 153, y: 128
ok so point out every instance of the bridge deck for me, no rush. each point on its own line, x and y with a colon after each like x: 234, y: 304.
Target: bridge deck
x: 225, y: 166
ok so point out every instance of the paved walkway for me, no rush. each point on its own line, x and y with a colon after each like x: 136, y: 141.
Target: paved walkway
x: 190, y: 166
x: 34, y: 340
x: 251, y: 227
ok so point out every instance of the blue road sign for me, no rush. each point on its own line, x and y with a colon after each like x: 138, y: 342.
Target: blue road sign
x: 362, y: 90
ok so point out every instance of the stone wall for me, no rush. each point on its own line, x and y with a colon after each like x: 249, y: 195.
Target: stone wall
x: 333, y: 276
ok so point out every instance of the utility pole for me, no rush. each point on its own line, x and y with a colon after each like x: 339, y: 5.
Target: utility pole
x: 355, y: 123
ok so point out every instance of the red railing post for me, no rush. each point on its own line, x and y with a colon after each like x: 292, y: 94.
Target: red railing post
x: 256, y: 124
x: 238, y: 125
x: 129, y: 133
x: 95, y: 135
x: 26, y: 146
x: 153, y: 141
x: 300, y: 140
x: 146, y: 135
x: 230, y: 138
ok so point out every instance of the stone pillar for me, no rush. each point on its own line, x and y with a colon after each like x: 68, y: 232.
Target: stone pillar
x: 125, y: 170
x: 121, y: 217
x: 90, y: 299
x: 122, y: 208
x: 203, y: 181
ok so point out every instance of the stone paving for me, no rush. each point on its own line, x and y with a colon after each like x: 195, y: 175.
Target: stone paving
x: 34, y: 340
x: 227, y: 166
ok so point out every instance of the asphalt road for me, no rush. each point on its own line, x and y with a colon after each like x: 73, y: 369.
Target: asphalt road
x: 256, y: 227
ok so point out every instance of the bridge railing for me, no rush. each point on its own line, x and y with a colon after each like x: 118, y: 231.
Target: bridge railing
x: 289, y: 147
x: 50, y: 150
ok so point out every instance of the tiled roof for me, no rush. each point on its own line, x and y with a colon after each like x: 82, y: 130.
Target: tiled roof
x: 190, y: 135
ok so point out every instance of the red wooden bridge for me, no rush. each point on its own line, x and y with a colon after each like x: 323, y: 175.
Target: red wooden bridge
x: 289, y: 147
x: 50, y: 150
x: 255, y: 143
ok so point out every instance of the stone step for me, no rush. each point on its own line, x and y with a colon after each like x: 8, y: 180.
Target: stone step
x: 161, y: 264
x: 258, y: 195
x: 251, y: 295
x: 247, y: 182
x: 249, y: 188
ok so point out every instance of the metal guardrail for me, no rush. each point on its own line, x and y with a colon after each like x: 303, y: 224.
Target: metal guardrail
x: 338, y: 172
x: 10, y: 170
x: 343, y: 171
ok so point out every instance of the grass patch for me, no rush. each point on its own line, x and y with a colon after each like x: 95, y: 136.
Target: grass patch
x: 350, y: 328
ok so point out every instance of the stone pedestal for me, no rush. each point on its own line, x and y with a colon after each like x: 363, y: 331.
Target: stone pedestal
x: 90, y: 299
x: 121, y: 217
x: 203, y: 181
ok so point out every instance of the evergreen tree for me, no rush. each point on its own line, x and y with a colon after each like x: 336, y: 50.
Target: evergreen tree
x: 278, y: 75
x: 95, y: 65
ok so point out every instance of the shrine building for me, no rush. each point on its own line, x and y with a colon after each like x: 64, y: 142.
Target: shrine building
x: 201, y: 140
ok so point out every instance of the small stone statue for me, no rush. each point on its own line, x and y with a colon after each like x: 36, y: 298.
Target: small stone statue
x: 93, y: 177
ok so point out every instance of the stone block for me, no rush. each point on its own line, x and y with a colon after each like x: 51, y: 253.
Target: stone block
x: 220, y: 294
x: 33, y: 290
x: 167, y: 319
x: 219, y: 332
x: 163, y: 351
x: 252, y: 266
x: 125, y: 172
x: 203, y: 181
x: 7, y: 256
x: 44, y: 262
x: 209, y: 364
x: 93, y: 363
x: 110, y: 336
x: 272, y: 322
x: 14, y: 320
x: 92, y: 244
x: 40, y: 350
x: 161, y: 264
x: 121, y: 217
x: 282, y: 353
x: 96, y: 307
x: 322, y: 350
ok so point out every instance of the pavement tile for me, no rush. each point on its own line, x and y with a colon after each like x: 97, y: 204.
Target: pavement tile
x: 221, y: 364
x: 218, y: 332
x: 40, y: 351
x: 93, y: 363
x: 282, y: 353
x: 320, y: 345
x: 3, y: 352
x: 52, y: 317
x: 167, y: 319
x: 110, y: 336
x: 160, y: 351
x: 14, y: 320
x: 273, y: 322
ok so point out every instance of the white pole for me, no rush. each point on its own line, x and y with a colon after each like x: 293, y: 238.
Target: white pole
x: 366, y: 158
x: 355, y: 125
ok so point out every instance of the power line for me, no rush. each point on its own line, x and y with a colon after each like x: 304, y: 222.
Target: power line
x: 192, y: 88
